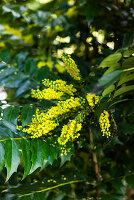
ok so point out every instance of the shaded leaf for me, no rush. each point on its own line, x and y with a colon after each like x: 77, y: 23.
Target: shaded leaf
x: 109, y: 78
x: 128, y: 63
x: 6, y: 72
x: 130, y: 181
x: 23, y: 88
x: 26, y: 154
x: 2, y: 156
x: 27, y: 113
x: 12, y: 157
x: 30, y: 66
x: 67, y: 157
x: 5, y: 56
x: 125, y: 79
x: 10, y: 114
x: 123, y: 90
x: 108, y: 90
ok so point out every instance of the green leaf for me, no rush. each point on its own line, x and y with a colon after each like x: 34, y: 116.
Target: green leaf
x: 69, y: 154
x: 128, y: 63
x: 112, y: 68
x: 30, y: 66
x: 12, y: 157
x: 130, y: 181
x: 38, y: 154
x: 5, y: 132
x: 128, y: 39
x: 23, y: 88
x: 5, y: 56
x: 110, y: 60
x: 108, y: 90
x: 26, y: 154
x: 110, y: 78
x: 15, y: 80
x: 20, y: 59
x: 27, y: 114
x: 125, y: 78
x: 2, y: 156
x: 123, y: 90
x: 128, y: 52
x: 9, y: 125
x: 10, y: 114
x: 6, y: 72
x: 50, y: 152
x: 91, y: 11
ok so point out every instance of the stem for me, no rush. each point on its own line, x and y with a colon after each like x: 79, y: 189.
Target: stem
x: 95, y: 163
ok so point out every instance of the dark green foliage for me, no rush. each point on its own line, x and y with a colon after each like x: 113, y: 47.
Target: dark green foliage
x: 100, y: 37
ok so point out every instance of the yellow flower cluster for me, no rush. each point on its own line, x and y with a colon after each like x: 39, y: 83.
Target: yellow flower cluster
x: 56, y: 89
x: 44, y: 122
x: 92, y: 99
x: 60, y: 85
x: 37, y: 129
x: 71, y: 67
x: 105, y: 123
x: 47, y: 94
x: 69, y: 132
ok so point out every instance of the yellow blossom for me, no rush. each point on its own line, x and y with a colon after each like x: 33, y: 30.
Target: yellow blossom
x: 71, y: 67
x: 18, y: 127
x: 47, y: 94
x: 105, y: 124
x: 69, y: 132
x: 60, y: 85
x: 92, y: 99
x: 44, y: 122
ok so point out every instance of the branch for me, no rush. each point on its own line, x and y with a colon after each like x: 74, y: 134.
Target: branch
x: 95, y: 163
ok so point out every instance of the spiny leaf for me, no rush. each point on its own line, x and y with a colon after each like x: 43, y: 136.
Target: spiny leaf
x: 26, y: 154
x: 12, y: 157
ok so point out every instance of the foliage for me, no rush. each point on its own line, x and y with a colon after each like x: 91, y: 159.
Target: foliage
x: 82, y: 97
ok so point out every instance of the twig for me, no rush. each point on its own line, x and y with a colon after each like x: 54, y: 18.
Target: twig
x: 95, y: 163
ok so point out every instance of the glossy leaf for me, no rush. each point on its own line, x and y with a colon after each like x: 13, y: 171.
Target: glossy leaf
x: 26, y: 155
x: 23, y: 88
x: 6, y: 72
x: 27, y: 113
x: 12, y: 157
x: 2, y: 156
x: 10, y: 114
x: 68, y: 156
x: 38, y: 154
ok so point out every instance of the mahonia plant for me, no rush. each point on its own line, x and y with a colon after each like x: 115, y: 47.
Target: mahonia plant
x: 68, y: 107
